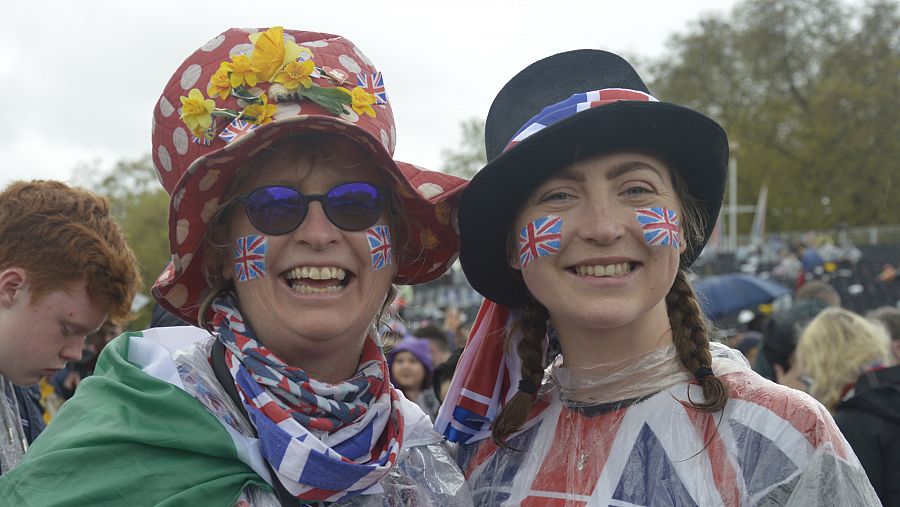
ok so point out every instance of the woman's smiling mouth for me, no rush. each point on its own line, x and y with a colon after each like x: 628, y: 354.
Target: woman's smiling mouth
x: 317, y: 279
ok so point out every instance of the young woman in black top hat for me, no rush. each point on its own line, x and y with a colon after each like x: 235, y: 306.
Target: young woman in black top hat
x: 596, y: 200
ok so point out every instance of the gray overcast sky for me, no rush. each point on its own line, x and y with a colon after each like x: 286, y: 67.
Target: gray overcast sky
x: 80, y: 78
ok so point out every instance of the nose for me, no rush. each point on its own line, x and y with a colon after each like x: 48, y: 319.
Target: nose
x: 317, y: 231
x: 73, y: 349
x: 600, y: 222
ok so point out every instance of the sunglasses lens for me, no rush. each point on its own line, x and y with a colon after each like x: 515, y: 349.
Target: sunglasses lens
x: 354, y: 206
x: 276, y: 210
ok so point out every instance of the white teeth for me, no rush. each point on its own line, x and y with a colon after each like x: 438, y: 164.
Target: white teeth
x: 306, y: 289
x: 317, y: 273
x: 622, y: 268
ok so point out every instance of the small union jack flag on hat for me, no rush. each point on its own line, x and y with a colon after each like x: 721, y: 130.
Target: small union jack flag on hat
x: 660, y: 226
x: 250, y: 257
x: 374, y: 84
x: 539, y: 238
x: 379, y: 246
x: 236, y: 129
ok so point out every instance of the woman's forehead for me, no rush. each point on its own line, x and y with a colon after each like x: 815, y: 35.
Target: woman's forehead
x: 614, y: 165
x: 298, y: 165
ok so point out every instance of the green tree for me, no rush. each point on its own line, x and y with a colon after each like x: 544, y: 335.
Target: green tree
x: 810, y: 91
x: 141, y: 207
x: 466, y: 160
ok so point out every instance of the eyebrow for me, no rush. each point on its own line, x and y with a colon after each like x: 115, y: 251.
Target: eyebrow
x: 627, y: 167
x: 571, y: 174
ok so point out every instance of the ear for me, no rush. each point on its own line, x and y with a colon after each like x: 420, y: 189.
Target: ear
x: 228, y: 267
x: 514, y: 262
x: 13, y: 283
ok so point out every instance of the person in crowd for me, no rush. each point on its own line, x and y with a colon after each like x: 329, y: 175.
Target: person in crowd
x: 782, y: 331
x: 289, y: 222
x: 411, y: 367
x: 834, y: 349
x: 66, y: 380
x: 64, y: 269
x: 747, y: 343
x: 848, y: 365
x: 437, y: 342
x: 596, y: 199
x: 889, y: 317
x: 443, y: 374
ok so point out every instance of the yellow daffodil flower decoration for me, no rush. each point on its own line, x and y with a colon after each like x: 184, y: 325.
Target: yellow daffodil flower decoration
x: 219, y: 83
x: 271, y: 52
x: 361, y: 100
x: 241, y: 70
x: 295, y: 74
x: 196, y: 111
x: 261, y: 112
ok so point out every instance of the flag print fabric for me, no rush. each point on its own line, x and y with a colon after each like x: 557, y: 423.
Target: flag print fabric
x: 771, y: 446
x: 483, y: 375
x: 250, y: 257
x: 540, y: 238
x: 236, y: 129
x: 326, y: 442
x: 373, y: 84
x: 379, y: 238
x: 575, y: 104
x: 660, y: 226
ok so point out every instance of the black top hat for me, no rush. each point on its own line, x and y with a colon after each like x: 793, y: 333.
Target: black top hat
x: 537, y: 126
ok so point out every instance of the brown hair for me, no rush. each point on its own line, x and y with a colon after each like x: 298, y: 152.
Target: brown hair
x: 690, y: 335
x: 216, y: 244
x: 64, y: 235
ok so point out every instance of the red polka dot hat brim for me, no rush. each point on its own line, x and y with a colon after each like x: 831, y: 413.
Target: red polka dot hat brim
x: 197, y: 173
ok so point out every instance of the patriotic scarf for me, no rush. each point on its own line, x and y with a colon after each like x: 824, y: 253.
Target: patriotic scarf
x: 474, y: 400
x: 325, y: 442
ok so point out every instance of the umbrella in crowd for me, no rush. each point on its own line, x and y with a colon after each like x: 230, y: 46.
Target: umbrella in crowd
x: 724, y: 294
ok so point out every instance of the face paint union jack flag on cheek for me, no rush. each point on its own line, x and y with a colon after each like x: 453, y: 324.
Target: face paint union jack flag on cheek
x: 660, y: 226
x: 379, y: 238
x: 250, y: 257
x: 540, y: 238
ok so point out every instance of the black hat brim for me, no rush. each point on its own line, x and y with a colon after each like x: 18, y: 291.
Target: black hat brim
x: 690, y: 143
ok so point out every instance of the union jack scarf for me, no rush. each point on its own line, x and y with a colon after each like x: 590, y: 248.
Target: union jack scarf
x: 474, y: 400
x: 325, y: 442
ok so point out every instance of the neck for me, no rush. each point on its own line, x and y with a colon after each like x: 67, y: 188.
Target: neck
x: 411, y: 393
x: 588, y: 346
x: 332, y: 361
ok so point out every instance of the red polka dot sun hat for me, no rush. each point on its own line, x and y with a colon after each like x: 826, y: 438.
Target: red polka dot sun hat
x: 247, y: 89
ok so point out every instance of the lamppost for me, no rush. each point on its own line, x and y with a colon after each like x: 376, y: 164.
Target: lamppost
x: 732, y: 195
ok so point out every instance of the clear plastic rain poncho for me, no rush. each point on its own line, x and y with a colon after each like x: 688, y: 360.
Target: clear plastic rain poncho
x: 625, y: 434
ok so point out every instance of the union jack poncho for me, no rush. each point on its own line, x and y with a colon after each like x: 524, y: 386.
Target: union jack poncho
x: 770, y: 445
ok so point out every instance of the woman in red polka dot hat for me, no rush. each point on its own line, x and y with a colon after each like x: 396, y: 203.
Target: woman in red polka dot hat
x: 289, y: 223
